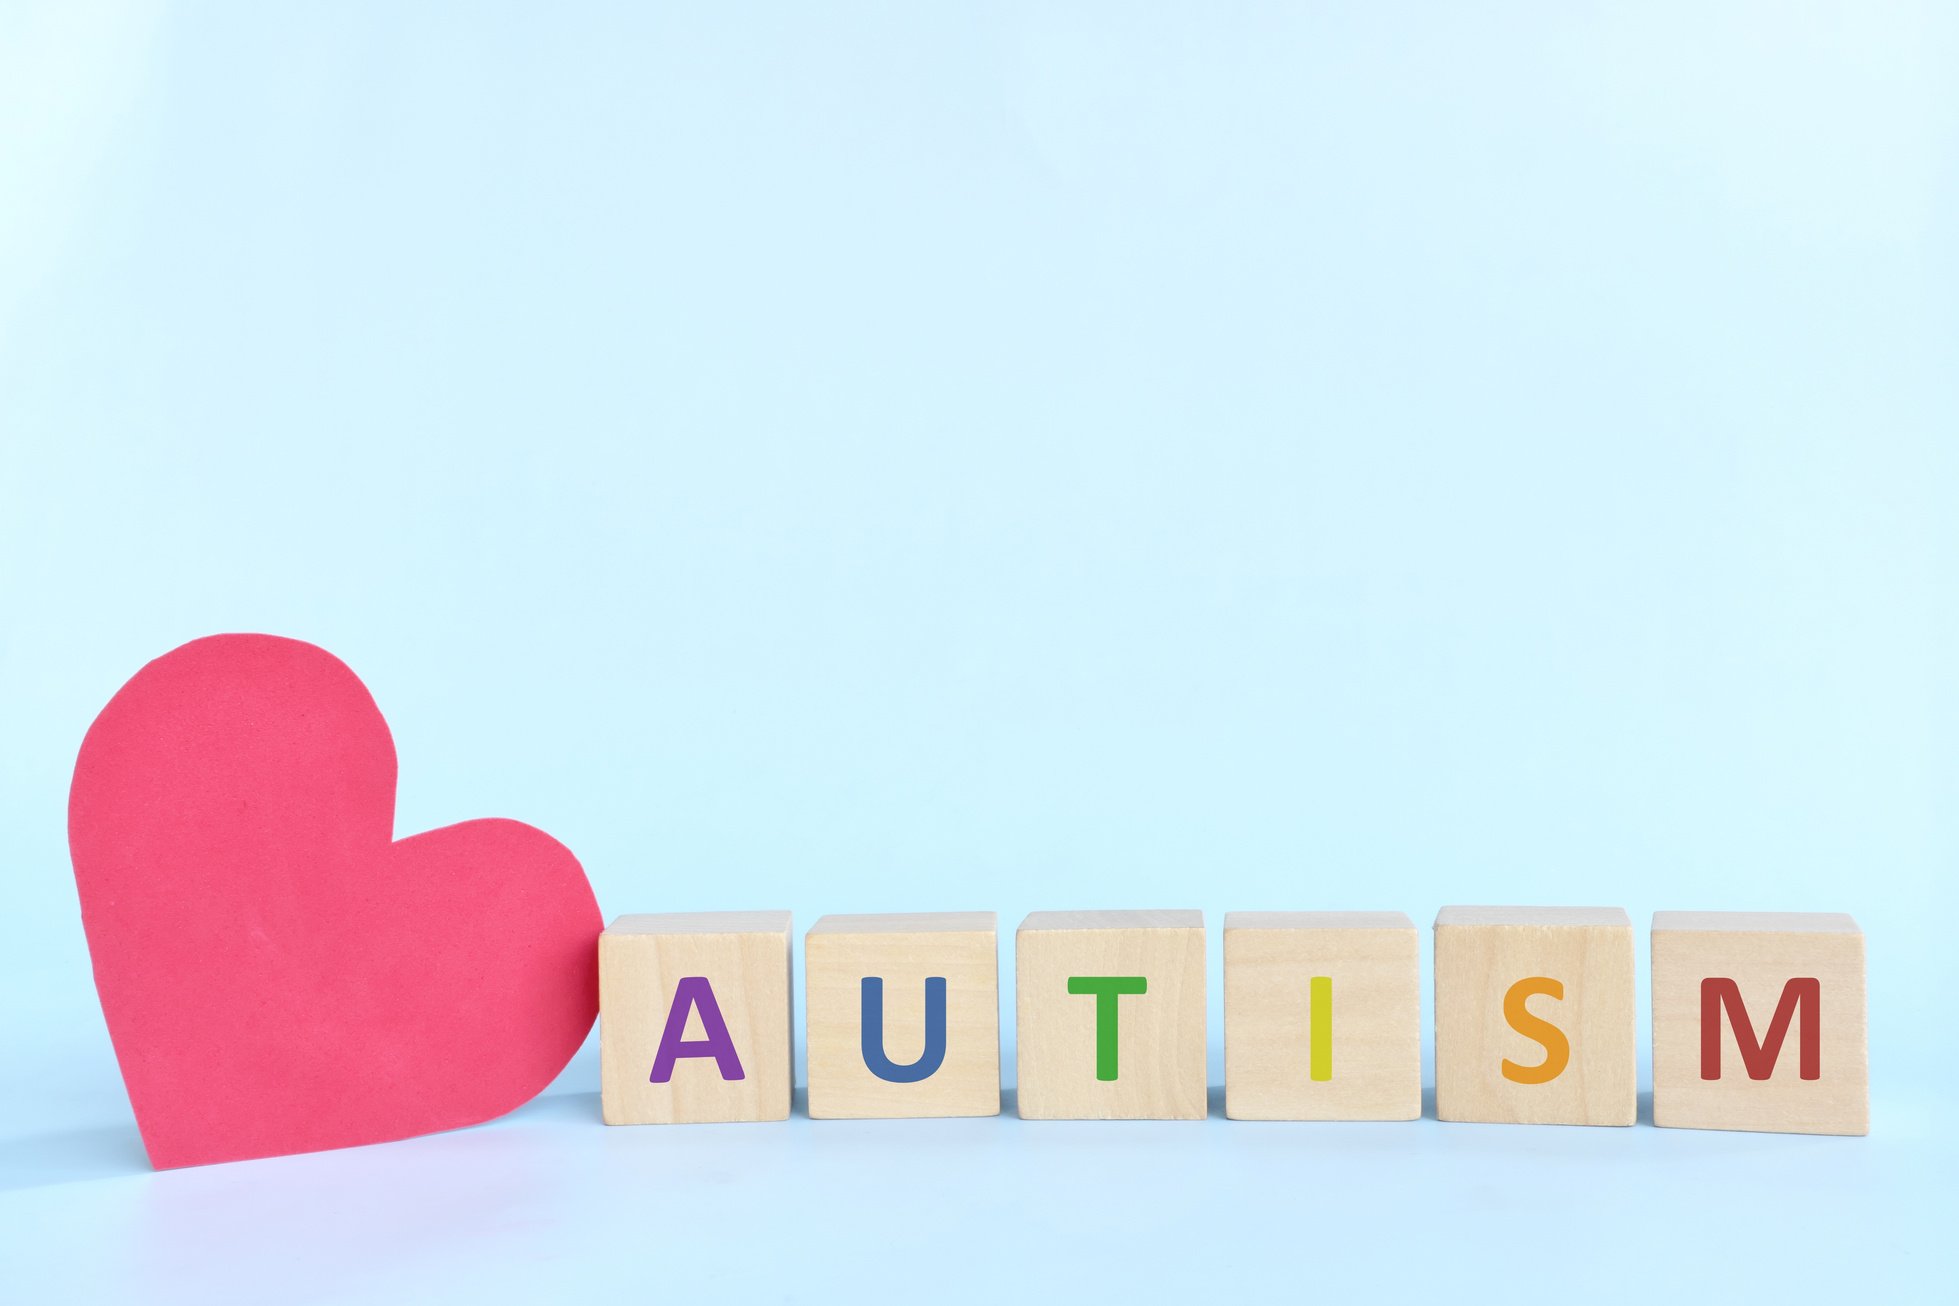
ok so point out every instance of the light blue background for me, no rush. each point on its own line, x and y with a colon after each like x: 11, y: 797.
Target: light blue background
x: 896, y: 457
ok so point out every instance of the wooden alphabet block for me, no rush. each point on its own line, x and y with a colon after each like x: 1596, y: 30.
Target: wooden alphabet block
x: 694, y: 1018
x: 1322, y: 1016
x: 1758, y: 1022
x: 1534, y: 1015
x: 904, y: 1015
x: 1111, y: 1015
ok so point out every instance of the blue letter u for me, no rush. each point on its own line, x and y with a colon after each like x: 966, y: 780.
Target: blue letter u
x: 873, y: 1033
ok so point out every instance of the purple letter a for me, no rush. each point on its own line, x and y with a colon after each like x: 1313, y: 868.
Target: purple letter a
x: 694, y: 993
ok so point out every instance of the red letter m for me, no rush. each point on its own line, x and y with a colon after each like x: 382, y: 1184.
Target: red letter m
x: 1805, y: 995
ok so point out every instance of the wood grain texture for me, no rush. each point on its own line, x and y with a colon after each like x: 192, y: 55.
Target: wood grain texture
x: 913, y: 922
x: 702, y: 922
x: 1533, y: 916
x: 1374, y: 1054
x: 1761, y: 952
x: 745, y: 957
x: 904, y: 951
x: 1112, y: 920
x: 1160, y: 1071
x: 1480, y: 953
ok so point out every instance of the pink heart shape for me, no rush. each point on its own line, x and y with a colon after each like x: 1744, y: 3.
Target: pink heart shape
x: 279, y: 974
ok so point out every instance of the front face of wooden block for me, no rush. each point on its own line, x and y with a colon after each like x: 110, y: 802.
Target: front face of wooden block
x: 1787, y: 1006
x: 1534, y: 1024
x: 937, y: 999
x: 1322, y: 1024
x: 731, y: 992
x: 1072, y: 1064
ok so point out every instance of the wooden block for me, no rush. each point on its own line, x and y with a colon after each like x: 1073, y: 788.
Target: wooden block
x: 694, y: 1018
x: 1322, y: 1016
x: 904, y: 1015
x: 1111, y: 1015
x: 1534, y: 1015
x: 1758, y: 1022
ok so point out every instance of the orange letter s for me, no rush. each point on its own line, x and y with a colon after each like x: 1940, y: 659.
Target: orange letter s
x: 1557, y: 1048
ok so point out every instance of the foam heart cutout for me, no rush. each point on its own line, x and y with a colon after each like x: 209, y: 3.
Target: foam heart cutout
x: 280, y: 974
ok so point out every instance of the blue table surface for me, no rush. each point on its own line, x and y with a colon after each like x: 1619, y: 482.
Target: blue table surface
x: 549, y: 1202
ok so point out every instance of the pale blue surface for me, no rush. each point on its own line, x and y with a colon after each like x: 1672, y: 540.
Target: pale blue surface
x: 862, y: 458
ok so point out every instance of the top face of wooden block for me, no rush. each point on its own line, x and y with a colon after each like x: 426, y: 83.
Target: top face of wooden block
x: 917, y: 922
x: 1757, y: 922
x: 1542, y: 916
x: 1113, y: 920
x: 702, y: 922
x: 1317, y: 920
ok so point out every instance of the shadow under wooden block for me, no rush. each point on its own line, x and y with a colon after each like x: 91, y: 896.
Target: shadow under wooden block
x: 904, y: 1015
x: 1534, y: 1016
x: 694, y: 1018
x: 1111, y: 1015
x: 1322, y: 1016
x: 1759, y: 1022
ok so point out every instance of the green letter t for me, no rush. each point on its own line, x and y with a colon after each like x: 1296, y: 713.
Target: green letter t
x: 1106, y: 988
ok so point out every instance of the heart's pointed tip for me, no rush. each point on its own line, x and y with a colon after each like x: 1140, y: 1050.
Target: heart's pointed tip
x: 163, y: 1161
x: 174, y: 1145
x: 183, y: 1147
